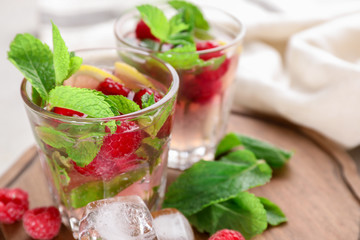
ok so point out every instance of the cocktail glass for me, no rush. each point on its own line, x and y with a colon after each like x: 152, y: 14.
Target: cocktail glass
x: 140, y: 139
x: 205, y: 93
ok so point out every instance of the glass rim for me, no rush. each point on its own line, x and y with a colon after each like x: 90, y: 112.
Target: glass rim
x: 172, y: 90
x: 133, y: 12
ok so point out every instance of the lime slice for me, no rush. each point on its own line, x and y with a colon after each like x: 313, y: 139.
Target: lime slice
x: 131, y: 75
x: 89, y: 77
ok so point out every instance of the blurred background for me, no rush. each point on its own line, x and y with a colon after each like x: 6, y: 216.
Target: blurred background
x: 89, y: 23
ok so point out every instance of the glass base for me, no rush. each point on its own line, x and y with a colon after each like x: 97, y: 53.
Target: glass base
x: 184, y: 159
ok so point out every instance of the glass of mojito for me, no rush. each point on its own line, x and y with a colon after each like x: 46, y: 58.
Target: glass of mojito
x: 203, y: 44
x: 101, y: 119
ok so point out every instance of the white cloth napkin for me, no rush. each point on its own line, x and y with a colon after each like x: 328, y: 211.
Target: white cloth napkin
x: 301, y: 61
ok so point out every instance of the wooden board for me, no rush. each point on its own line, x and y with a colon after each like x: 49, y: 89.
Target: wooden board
x: 319, y: 189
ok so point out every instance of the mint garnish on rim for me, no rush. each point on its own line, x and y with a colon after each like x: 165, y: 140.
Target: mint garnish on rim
x: 178, y: 31
x: 47, y: 71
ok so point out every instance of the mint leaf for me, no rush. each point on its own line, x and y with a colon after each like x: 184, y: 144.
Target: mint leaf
x: 54, y: 138
x: 228, y: 142
x: 156, y: 20
x: 203, y: 34
x: 274, y: 156
x: 240, y: 157
x: 61, y: 56
x: 147, y: 100
x: 87, y: 101
x: 65, y: 63
x: 184, y: 57
x: 61, y: 160
x: 92, y: 191
x: 35, y: 97
x: 207, y: 183
x: 35, y: 61
x: 273, y: 212
x: 155, y: 142
x: 243, y: 213
x: 75, y: 63
x: 181, y: 38
x: 192, y: 14
x: 82, y: 130
x: 123, y: 104
x: 215, y: 63
x: 83, y: 152
x: 176, y: 24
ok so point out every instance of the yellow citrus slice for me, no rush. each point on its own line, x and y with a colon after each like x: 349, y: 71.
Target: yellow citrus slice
x: 89, y: 77
x: 131, y: 76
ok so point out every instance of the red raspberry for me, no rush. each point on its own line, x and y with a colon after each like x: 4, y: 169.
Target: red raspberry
x: 142, y: 92
x: 110, y: 87
x: 202, y: 87
x: 143, y: 31
x: 42, y: 223
x: 227, y: 234
x: 67, y: 112
x: 208, y: 45
x: 116, y: 155
x: 13, y: 204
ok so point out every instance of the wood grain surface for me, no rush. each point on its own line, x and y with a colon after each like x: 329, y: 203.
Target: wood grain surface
x: 318, y: 190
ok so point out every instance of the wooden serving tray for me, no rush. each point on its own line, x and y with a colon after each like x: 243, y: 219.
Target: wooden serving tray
x: 318, y: 190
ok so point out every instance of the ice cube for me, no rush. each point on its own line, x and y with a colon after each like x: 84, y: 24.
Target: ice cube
x: 125, y: 218
x: 170, y: 224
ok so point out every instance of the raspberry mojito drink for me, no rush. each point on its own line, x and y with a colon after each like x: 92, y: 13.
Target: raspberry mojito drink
x: 203, y: 44
x: 101, y: 118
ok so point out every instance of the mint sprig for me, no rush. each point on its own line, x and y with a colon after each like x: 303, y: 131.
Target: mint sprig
x: 207, y: 183
x: 212, y: 194
x: 147, y: 100
x: 123, y: 104
x: 178, y: 31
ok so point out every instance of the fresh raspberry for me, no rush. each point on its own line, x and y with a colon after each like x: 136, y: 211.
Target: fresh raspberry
x: 227, y: 234
x: 142, y: 92
x: 143, y: 31
x: 116, y: 155
x: 202, y: 87
x: 204, y: 45
x: 110, y: 87
x: 13, y: 204
x: 42, y: 223
x: 67, y: 112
